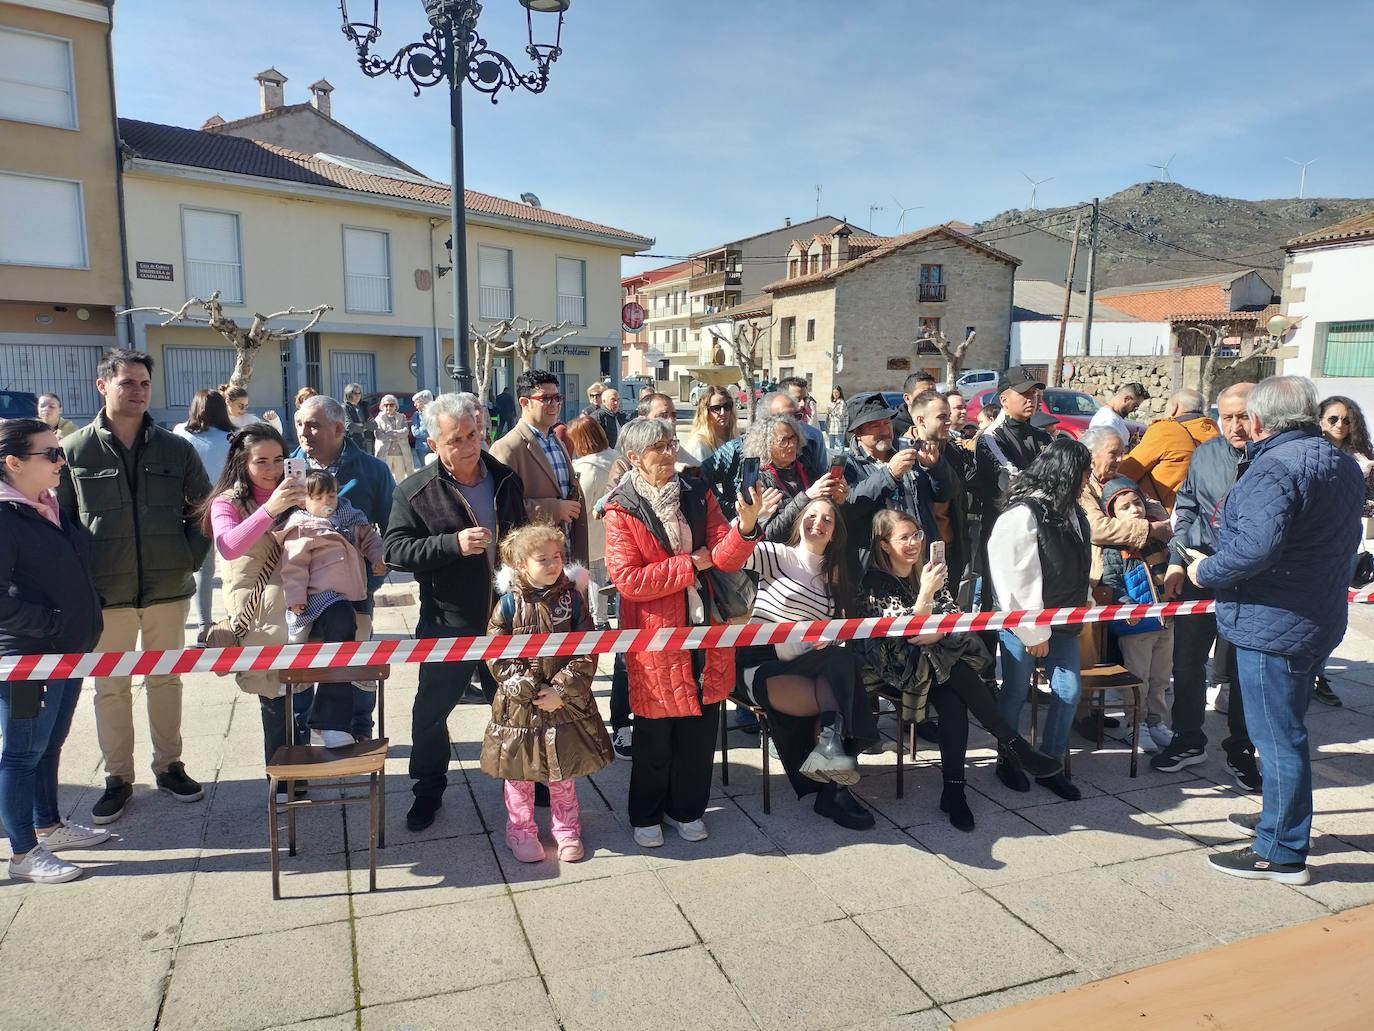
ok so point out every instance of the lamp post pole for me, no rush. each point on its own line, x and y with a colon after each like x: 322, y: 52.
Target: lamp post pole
x: 457, y: 58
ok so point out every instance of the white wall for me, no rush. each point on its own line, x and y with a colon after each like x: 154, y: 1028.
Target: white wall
x: 1336, y: 288
x: 1035, y: 343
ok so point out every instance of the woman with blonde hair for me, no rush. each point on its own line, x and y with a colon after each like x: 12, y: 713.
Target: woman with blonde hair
x: 304, y: 394
x: 393, y: 438
x: 713, y: 425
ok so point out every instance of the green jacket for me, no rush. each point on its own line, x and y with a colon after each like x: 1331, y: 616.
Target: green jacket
x: 146, y: 542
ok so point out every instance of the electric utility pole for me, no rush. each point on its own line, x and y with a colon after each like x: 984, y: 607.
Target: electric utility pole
x: 1092, y: 280
x: 1057, y: 373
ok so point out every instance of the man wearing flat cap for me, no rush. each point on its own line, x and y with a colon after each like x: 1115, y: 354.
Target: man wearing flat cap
x: 883, y: 473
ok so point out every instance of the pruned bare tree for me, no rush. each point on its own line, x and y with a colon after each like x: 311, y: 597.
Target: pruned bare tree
x: 486, y: 345
x: 953, y: 354
x: 247, y: 342
x: 745, y: 347
x: 528, y: 344
x: 1258, y: 345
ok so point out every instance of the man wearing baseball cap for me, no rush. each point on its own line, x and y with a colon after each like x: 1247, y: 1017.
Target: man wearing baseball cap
x: 1007, y: 446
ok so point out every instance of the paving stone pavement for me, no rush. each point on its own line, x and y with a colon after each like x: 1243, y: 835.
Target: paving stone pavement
x: 777, y: 921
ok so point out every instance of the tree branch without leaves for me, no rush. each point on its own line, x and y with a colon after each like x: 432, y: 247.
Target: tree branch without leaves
x: 247, y: 342
x: 953, y: 354
x: 745, y: 347
x: 1259, y: 345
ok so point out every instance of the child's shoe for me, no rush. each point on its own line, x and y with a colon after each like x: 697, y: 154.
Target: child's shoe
x: 570, y: 850
x: 525, y: 849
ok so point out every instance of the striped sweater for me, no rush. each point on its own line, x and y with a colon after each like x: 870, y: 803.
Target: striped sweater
x: 791, y: 588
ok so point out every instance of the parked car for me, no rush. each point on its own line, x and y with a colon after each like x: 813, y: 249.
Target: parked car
x: 971, y: 380
x: 18, y: 404
x: 1071, y: 409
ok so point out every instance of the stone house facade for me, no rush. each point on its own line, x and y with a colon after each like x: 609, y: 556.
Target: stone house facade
x: 855, y: 322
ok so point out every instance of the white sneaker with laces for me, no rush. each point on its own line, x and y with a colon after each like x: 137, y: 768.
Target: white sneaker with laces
x: 649, y: 837
x: 693, y: 830
x: 42, y: 867
x: 72, y: 835
x: 623, y: 743
x: 1161, y: 734
x: 331, y: 738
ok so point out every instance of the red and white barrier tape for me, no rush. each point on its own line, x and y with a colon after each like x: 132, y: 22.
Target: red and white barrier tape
x: 591, y: 642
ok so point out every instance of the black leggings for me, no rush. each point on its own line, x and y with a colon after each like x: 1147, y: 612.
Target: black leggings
x: 964, y: 693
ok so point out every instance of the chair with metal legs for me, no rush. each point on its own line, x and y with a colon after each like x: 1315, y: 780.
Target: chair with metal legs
x: 762, y: 715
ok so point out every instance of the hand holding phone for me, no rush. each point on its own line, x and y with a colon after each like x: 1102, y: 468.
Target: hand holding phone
x: 749, y: 478
x: 295, y: 470
x: 937, y: 553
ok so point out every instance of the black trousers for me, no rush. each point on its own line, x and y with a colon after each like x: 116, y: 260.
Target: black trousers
x: 620, y: 694
x: 441, y: 686
x: 1193, y: 640
x: 964, y: 693
x: 671, y: 771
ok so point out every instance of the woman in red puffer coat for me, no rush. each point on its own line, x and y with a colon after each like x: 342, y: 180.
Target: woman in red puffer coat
x: 662, y: 531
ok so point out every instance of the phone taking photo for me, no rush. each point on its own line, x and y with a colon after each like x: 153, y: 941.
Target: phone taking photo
x: 295, y: 470
x: 837, y: 461
x: 937, y: 553
x: 749, y: 479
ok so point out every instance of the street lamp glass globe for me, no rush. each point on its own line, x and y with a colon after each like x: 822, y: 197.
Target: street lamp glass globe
x: 546, y: 6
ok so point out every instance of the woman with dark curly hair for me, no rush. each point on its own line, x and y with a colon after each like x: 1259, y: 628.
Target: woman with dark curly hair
x: 1040, y: 557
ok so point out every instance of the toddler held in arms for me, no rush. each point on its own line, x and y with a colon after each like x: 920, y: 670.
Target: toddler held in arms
x: 545, y: 726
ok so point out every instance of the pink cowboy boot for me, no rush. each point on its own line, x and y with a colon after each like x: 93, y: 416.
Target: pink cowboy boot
x: 522, y: 834
x: 567, y: 826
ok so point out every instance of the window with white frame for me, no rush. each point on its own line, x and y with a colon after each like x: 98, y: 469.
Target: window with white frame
x: 572, y: 291
x: 36, y: 83
x: 367, y: 271
x: 42, y: 223
x: 213, y: 258
x: 496, y: 299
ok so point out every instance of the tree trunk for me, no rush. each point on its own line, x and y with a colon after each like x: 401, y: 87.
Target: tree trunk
x: 245, y: 355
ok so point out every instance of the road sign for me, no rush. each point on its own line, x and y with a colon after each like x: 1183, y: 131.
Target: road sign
x: 632, y: 316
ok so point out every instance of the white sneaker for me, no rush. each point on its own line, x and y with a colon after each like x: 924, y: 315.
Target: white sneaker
x: 1145, y: 739
x: 72, y: 835
x: 693, y: 830
x: 649, y: 837
x: 331, y: 738
x: 42, y: 867
x: 1161, y: 734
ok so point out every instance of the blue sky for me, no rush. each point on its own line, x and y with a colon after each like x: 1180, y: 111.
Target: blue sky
x: 698, y: 121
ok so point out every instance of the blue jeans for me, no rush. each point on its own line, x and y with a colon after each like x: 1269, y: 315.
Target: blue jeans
x: 1062, y: 662
x: 29, y: 761
x: 205, y: 590
x: 1277, y: 689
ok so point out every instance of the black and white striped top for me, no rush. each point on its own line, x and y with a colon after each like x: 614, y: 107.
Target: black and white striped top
x: 792, y: 588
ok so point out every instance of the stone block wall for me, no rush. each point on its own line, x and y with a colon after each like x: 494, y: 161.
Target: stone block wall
x: 1102, y: 377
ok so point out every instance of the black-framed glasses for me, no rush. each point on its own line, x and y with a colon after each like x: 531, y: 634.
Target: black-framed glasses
x: 52, y: 454
x: 1336, y: 420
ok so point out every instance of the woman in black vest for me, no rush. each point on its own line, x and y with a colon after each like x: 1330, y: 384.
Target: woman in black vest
x: 47, y: 604
x: 1039, y: 557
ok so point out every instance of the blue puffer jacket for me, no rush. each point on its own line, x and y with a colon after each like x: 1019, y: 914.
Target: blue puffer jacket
x: 1288, y: 534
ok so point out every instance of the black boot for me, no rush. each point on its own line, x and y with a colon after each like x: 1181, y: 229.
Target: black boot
x: 1034, y: 762
x: 840, y: 805
x: 929, y: 730
x: 952, y: 801
x: 1009, y: 771
x: 1061, y: 786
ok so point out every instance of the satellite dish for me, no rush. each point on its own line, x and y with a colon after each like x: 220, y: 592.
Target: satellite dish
x: 531, y: 200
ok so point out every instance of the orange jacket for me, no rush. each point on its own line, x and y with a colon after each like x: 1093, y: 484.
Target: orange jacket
x: 1159, y: 463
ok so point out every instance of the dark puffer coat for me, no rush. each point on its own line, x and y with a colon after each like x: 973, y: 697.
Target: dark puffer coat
x: 1285, y: 547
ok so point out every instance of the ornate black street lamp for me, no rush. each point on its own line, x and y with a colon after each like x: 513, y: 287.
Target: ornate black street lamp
x: 450, y: 53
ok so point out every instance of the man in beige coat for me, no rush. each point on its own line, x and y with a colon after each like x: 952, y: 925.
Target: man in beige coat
x: 540, y: 460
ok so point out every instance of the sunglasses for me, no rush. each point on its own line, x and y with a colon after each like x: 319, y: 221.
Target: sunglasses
x: 718, y: 409
x: 52, y: 454
x: 1336, y: 420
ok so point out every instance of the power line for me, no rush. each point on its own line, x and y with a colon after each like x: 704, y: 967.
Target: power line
x: 1186, y: 250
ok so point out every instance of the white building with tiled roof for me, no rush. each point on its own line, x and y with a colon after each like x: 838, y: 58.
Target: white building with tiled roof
x: 270, y: 226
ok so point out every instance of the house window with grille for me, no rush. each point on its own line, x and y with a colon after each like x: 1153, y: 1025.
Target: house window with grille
x: 932, y: 282
x: 1349, y: 349
x: 572, y: 291
x: 367, y: 271
x: 810, y: 329
x: 213, y: 255
x: 496, y: 297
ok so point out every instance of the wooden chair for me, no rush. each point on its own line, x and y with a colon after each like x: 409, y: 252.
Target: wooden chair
x: 331, y: 767
x: 905, y: 730
x: 743, y: 703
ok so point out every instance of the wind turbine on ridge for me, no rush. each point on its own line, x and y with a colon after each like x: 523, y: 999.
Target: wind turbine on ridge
x: 1164, y: 168
x: 1035, y: 184
x: 901, y: 219
x: 1302, y: 180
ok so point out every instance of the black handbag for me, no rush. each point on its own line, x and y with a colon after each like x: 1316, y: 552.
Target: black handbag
x: 1364, y: 571
x: 730, y: 596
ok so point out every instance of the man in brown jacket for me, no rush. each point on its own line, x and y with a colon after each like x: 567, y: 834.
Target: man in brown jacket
x: 543, y: 465
x: 1159, y: 463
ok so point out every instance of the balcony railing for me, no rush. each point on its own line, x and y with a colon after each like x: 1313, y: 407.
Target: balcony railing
x: 495, y: 302
x: 205, y: 277
x: 932, y: 291
x: 572, y: 308
x: 367, y: 293
x: 715, y: 280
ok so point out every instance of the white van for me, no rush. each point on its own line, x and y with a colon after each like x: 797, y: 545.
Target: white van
x: 971, y: 381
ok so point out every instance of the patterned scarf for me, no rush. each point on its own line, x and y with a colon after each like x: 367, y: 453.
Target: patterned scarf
x: 666, y: 501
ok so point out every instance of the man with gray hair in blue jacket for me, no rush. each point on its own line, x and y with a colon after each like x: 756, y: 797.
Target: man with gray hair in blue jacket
x: 1285, y: 545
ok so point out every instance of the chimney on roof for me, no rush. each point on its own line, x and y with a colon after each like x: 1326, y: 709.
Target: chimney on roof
x: 786, y: 223
x: 270, y: 93
x: 319, y: 96
x: 213, y: 122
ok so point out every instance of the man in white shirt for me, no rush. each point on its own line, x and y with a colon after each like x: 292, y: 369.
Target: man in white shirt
x: 1124, y: 402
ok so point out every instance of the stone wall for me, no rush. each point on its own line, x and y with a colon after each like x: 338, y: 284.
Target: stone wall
x: 1102, y: 377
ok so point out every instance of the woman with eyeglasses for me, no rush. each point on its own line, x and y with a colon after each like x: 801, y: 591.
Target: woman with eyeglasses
x: 776, y: 441
x: 47, y: 604
x: 1342, y: 423
x: 940, y: 671
x: 393, y: 438
x: 713, y: 425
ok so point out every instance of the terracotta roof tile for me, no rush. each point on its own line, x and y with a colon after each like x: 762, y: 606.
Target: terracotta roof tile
x: 889, y: 245
x: 1160, y: 305
x: 1361, y: 227
x: 178, y: 146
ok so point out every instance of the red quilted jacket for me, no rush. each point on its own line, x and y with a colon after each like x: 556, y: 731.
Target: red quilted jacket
x: 652, y: 586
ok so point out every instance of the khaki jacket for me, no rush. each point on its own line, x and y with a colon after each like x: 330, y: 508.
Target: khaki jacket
x: 269, y: 628
x: 520, y: 450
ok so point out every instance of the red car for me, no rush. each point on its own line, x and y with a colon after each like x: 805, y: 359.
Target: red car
x: 1072, y: 410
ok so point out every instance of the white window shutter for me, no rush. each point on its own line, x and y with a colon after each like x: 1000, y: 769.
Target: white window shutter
x: 570, y: 278
x: 37, y: 79
x: 42, y: 222
x: 495, y: 266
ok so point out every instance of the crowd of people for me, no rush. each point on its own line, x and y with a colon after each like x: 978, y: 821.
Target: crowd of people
x: 108, y: 531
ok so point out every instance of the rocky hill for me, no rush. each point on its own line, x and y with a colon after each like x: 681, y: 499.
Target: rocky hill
x: 1167, y: 231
